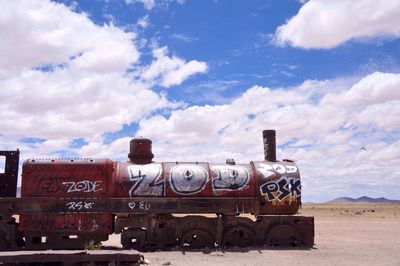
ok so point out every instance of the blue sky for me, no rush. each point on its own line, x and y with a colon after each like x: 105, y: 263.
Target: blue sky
x: 235, y: 39
x: 204, y: 78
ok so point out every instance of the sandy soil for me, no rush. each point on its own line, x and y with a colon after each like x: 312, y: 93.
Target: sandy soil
x: 363, y: 234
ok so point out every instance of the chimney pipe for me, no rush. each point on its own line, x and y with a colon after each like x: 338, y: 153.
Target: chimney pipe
x: 140, y: 151
x: 269, y: 145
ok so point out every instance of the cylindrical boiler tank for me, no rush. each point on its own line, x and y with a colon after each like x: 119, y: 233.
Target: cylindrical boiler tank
x: 275, y: 184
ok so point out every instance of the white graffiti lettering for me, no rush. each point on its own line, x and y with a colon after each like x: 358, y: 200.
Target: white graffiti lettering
x: 83, y: 186
x: 291, y: 169
x: 230, y: 177
x: 188, y: 179
x: 281, y: 188
x: 146, y: 180
x: 139, y: 205
x: 279, y: 168
x: 266, y: 169
x: 80, y: 205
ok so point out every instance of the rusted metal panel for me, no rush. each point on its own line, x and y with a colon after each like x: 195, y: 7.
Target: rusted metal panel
x: 49, y: 240
x: 67, y: 178
x: 88, y: 223
x: 287, y: 231
x: 71, y: 257
x: 8, y: 178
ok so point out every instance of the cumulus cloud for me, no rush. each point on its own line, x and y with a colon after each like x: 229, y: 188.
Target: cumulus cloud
x: 169, y: 71
x: 72, y: 104
x: 117, y: 149
x: 63, y: 77
x: 327, y: 24
x: 36, y: 33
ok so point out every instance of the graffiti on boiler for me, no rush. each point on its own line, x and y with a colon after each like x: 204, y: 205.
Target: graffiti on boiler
x: 282, y: 188
x: 230, y: 177
x: 188, y: 179
x: 146, y: 180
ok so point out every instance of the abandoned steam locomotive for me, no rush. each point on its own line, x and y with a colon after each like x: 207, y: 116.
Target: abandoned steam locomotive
x: 66, y: 203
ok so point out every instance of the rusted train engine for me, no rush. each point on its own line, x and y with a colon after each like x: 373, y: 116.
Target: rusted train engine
x: 66, y: 203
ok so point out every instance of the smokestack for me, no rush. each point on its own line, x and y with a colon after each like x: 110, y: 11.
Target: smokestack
x: 140, y: 151
x: 269, y: 145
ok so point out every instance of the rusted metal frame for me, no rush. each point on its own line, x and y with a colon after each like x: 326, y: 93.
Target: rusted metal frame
x: 8, y: 179
x: 137, y: 205
x: 76, y: 257
x: 304, y: 225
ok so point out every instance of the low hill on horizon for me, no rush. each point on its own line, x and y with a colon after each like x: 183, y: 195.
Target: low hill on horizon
x: 363, y: 199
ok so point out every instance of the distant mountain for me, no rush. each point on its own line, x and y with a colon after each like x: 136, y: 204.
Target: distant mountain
x: 363, y: 199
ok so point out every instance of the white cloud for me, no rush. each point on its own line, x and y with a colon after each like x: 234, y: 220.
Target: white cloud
x: 86, y: 91
x: 169, y: 71
x: 117, y: 149
x: 150, y: 4
x: 73, y: 104
x: 183, y: 38
x: 374, y: 101
x: 327, y: 24
x: 375, y: 88
x: 384, y: 116
x: 143, y: 22
x: 36, y: 32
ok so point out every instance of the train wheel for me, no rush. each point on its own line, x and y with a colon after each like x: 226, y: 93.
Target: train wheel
x: 283, y: 236
x: 197, y: 239
x: 239, y: 236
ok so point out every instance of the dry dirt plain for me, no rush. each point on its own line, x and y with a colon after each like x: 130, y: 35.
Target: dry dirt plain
x: 345, y: 234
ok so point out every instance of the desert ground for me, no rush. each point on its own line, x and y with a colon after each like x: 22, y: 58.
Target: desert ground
x: 345, y: 234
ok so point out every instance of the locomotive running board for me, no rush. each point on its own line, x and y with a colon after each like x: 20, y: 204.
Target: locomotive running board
x: 138, y: 205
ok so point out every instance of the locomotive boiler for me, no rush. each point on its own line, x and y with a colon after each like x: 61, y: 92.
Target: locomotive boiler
x: 66, y: 203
